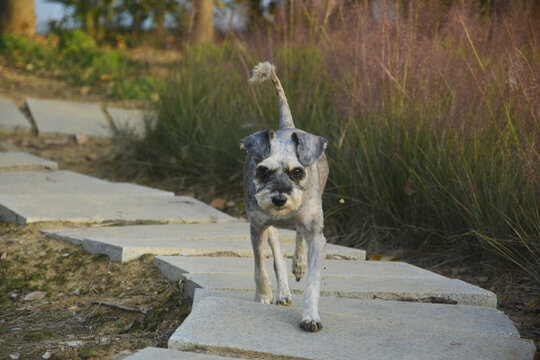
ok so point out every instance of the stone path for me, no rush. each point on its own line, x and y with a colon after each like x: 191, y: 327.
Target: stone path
x: 211, y: 259
x: 131, y: 121
x: 11, y: 118
x: 16, y: 161
x: 70, y: 118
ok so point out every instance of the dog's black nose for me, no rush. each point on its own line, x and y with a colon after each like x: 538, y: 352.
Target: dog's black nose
x: 279, y: 200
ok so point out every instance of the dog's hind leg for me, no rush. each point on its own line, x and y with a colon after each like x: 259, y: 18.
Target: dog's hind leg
x: 283, y: 292
x: 299, y: 262
x: 263, y: 287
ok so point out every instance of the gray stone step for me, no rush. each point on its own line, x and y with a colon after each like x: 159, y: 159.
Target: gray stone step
x: 174, y: 267
x: 152, y: 353
x: 174, y: 233
x: 11, y: 118
x: 64, y: 182
x: 19, y: 161
x: 226, y: 326
x: 68, y: 118
x: 466, y: 317
x: 223, y: 239
x: 131, y: 121
x: 382, y: 288
x: 25, y: 209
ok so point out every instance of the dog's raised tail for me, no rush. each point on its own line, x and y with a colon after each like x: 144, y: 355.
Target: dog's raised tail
x: 267, y: 71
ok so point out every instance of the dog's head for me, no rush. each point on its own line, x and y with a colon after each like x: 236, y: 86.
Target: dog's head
x: 282, y: 173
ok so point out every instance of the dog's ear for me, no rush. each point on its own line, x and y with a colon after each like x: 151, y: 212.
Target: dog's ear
x: 309, y: 147
x: 258, y: 144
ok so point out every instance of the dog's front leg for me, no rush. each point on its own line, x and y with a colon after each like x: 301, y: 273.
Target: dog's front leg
x: 316, y: 255
x: 263, y: 287
x: 280, y: 268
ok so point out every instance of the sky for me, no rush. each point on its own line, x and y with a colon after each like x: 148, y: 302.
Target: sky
x: 46, y: 11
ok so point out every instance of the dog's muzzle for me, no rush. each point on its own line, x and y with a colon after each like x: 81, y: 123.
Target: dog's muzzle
x: 279, y: 200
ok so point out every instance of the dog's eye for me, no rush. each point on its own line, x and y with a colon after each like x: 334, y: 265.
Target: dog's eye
x: 263, y: 173
x: 297, y: 174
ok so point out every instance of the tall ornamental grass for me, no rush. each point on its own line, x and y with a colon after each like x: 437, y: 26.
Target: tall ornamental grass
x: 432, y: 114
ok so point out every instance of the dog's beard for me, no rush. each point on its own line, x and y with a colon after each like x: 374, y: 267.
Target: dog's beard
x: 264, y: 199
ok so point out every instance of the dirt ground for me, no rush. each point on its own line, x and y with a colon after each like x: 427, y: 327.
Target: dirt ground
x: 93, y: 308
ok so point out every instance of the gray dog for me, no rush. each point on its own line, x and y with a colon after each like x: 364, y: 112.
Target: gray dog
x: 285, y: 172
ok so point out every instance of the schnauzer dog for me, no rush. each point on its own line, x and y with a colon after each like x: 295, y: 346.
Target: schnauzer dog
x: 285, y: 172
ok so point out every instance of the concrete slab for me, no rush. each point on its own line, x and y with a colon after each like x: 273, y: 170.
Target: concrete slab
x: 382, y: 288
x: 129, y: 209
x: 131, y: 121
x: 68, y: 118
x: 175, y: 266
x: 272, y: 331
x: 64, y: 182
x: 11, y: 118
x: 175, y: 233
x: 224, y: 239
x: 21, y: 161
x: 466, y: 318
x: 152, y: 353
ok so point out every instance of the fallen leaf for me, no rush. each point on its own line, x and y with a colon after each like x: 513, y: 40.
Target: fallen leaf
x: 81, y: 139
x: 409, y: 188
x: 3, y: 256
x: 35, y: 295
x: 91, y: 157
x: 455, y: 343
x: 218, y: 203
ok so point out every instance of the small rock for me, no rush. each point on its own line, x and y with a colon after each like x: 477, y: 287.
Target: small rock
x: 14, y: 356
x: 3, y: 256
x: 74, y: 343
x: 46, y: 355
x: 231, y: 203
x: 13, y: 296
x: 65, y: 254
x: 218, y: 203
x: 35, y: 295
x: 77, y: 291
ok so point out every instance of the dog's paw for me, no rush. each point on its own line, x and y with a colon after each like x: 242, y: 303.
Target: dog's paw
x: 263, y: 299
x: 299, y: 267
x: 284, y: 301
x: 311, y: 325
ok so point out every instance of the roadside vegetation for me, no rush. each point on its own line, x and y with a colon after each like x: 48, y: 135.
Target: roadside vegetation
x: 432, y: 121
x: 76, y: 57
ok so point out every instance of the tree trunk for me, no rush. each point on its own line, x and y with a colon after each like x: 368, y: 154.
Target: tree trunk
x: 204, y: 22
x: 17, y: 16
